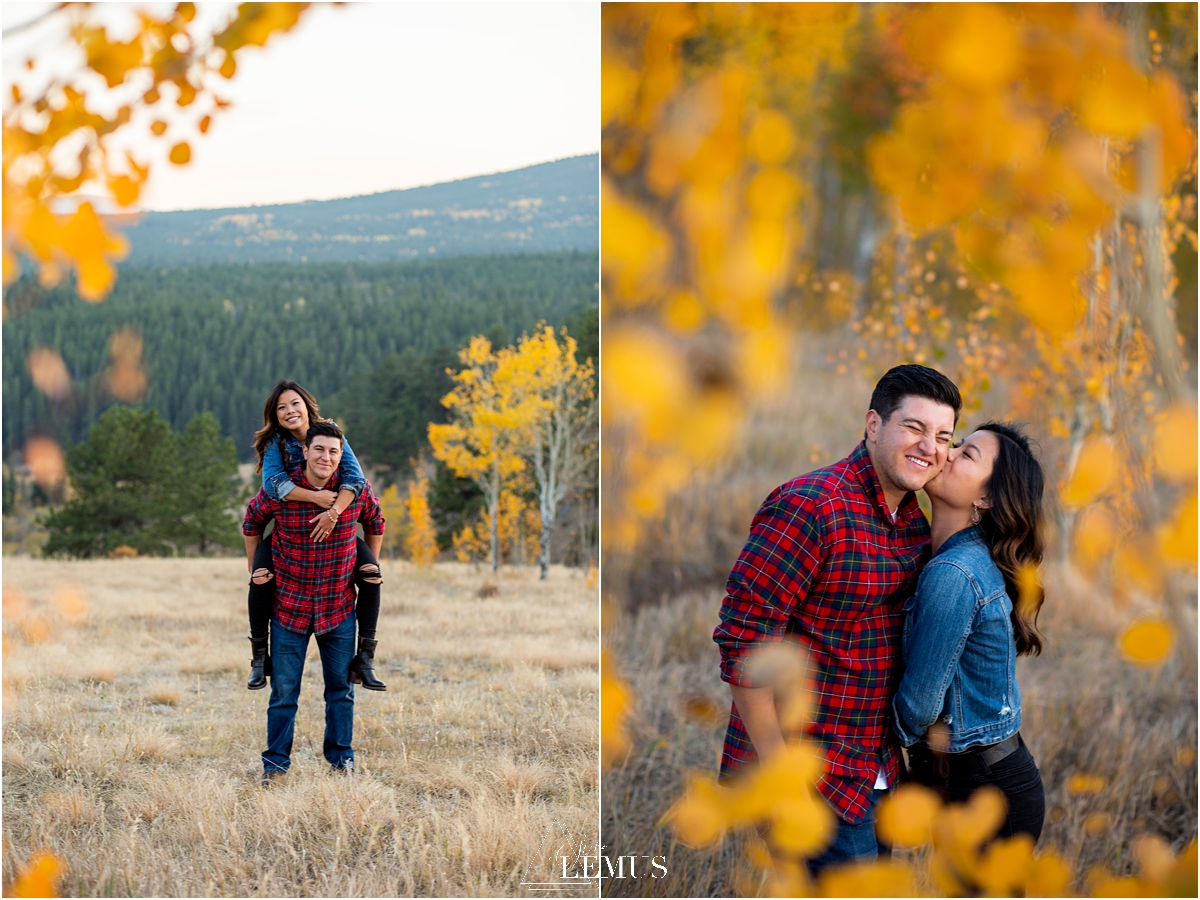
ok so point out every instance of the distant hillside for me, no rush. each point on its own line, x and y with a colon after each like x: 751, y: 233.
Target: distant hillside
x: 217, y: 337
x: 548, y: 207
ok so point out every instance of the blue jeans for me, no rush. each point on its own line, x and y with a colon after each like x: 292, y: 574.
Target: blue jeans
x: 852, y: 842
x: 288, y: 650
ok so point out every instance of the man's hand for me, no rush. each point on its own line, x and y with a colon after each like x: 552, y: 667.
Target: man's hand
x: 756, y: 706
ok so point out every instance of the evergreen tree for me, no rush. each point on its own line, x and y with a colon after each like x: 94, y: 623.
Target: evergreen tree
x: 207, y: 487
x: 122, y: 480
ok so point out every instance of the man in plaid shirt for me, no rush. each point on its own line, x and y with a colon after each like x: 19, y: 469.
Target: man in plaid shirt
x: 314, y: 595
x: 832, y: 555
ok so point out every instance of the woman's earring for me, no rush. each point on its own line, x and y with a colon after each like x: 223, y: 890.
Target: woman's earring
x: 975, y: 514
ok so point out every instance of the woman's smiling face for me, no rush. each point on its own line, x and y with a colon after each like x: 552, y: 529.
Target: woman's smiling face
x: 292, y: 414
x: 964, y: 478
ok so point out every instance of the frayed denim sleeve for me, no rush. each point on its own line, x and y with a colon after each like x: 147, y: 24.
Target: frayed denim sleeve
x: 943, y: 612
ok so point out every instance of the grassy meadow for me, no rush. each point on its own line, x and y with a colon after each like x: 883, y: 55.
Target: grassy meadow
x: 1085, y: 710
x: 131, y: 745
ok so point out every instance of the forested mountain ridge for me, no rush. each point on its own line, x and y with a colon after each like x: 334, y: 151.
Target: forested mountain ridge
x: 547, y: 207
x: 217, y: 337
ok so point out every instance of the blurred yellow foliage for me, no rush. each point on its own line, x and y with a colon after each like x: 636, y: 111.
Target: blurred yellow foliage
x: 420, y: 537
x: 1148, y: 642
x: 1094, y: 473
x: 1175, y: 450
x: 167, y: 57
x: 40, y: 876
x: 614, y: 710
x: 905, y: 819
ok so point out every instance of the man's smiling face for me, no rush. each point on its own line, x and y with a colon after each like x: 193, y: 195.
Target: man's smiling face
x: 323, y: 456
x: 911, y: 446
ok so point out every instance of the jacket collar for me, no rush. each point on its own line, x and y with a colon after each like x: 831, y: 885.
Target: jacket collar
x: 860, y: 465
x: 968, y: 535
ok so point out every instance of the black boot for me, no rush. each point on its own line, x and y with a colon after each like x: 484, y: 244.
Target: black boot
x: 260, y: 664
x: 362, y: 667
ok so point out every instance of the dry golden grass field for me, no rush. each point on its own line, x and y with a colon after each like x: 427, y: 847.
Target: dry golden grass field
x: 131, y: 745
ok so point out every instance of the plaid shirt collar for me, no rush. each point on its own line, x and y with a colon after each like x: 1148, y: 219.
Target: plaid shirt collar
x: 864, y: 470
x: 299, y: 479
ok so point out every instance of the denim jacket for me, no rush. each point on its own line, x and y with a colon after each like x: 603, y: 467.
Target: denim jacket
x: 958, y: 650
x: 277, y: 482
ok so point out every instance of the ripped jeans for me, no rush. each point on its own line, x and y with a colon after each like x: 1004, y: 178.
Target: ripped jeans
x: 261, y: 599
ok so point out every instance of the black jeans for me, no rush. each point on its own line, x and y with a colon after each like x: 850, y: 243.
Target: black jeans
x: 1016, y: 775
x: 261, y: 600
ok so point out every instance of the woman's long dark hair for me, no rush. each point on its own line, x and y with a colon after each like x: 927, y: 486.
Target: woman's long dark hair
x: 1012, y: 529
x: 271, y: 429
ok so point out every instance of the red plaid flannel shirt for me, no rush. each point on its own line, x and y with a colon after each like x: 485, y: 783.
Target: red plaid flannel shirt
x: 827, y: 567
x: 313, y: 579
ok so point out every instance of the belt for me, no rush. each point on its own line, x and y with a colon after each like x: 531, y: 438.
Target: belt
x: 992, y: 753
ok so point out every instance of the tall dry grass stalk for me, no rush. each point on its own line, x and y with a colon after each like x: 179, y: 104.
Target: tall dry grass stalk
x: 131, y: 746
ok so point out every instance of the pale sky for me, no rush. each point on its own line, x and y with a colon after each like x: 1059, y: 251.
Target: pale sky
x: 370, y: 97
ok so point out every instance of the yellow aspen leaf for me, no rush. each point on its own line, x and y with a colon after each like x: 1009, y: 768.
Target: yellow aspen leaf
x: 1048, y: 876
x: 633, y: 249
x: 204, y: 124
x: 1083, y: 783
x: 1005, y: 865
x: 113, y: 60
x: 1154, y: 857
x: 40, y: 876
x: 1178, y: 539
x: 151, y: 96
x: 86, y: 241
x: 770, y: 139
x: 1095, y: 471
x: 963, y: 827
x: 1119, y: 104
x: 772, y: 193
x: 49, y: 372
x: 181, y: 153
x: 1097, y: 824
x: 614, y: 709
x: 906, y: 817
x: 124, y: 190
x: 1175, y: 448
x: 158, y: 127
x: 1181, y: 881
x: 228, y: 65
x: 1148, y: 642
x: 186, y: 11
x: 187, y: 92
x: 981, y: 47
x: 683, y: 313
x: 880, y: 878
x: 618, y: 90
x: 46, y: 462
x: 700, y: 817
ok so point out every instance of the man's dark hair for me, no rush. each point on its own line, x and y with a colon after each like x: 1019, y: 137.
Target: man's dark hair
x: 323, y: 429
x: 913, y: 381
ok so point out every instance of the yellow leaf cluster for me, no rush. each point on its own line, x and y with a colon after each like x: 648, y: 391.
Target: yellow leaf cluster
x: 987, y: 148
x: 614, y: 711
x: 168, y: 53
x: 420, y: 538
